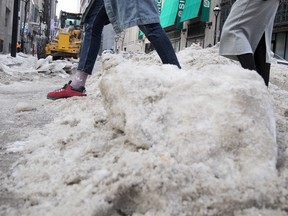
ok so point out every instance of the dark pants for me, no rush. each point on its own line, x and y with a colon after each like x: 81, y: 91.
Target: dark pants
x: 257, y: 61
x: 97, y: 19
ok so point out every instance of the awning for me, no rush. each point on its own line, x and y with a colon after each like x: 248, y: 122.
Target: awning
x: 179, y: 24
x: 191, y: 10
x: 205, y: 10
x: 169, y: 12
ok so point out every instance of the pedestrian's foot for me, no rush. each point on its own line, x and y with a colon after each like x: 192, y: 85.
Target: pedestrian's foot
x: 66, y: 92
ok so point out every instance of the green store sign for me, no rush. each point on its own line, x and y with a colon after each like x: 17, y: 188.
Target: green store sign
x: 179, y: 14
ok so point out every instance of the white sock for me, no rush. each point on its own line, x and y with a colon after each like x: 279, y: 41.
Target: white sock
x: 79, y: 79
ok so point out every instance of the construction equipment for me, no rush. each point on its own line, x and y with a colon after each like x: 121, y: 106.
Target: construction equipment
x: 67, y: 42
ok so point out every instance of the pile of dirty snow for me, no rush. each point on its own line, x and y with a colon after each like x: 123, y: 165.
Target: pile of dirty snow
x: 151, y: 139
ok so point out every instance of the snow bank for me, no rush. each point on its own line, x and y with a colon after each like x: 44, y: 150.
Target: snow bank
x: 29, y: 64
x: 222, y: 117
x: 196, y: 141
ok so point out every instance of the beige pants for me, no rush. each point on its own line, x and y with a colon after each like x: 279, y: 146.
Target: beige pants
x: 245, y: 25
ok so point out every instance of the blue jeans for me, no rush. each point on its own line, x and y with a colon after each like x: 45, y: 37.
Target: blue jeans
x: 97, y: 19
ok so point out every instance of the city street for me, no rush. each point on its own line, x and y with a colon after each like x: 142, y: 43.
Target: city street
x: 149, y: 139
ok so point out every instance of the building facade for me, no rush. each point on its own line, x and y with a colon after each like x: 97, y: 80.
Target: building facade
x: 6, y: 19
x: 185, y: 22
x: 35, y: 17
x: 29, y: 23
x: 280, y: 35
x: 198, y: 22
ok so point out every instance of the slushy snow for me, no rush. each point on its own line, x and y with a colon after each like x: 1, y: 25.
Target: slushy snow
x: 151, y: 139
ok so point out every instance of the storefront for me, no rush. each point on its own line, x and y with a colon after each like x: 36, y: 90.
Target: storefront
x: 170, y: 20
x: 184, y: 21
x: 175, y: 38
x: 196, y: 34
x: 280, y: 33
x: 196, y: 14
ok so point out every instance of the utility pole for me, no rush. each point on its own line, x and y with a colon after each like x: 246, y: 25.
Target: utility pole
x: 14, y: 28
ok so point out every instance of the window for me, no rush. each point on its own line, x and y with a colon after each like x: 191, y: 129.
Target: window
x: 280, y: 44
x: 7, y: 16
x: 1, y: 45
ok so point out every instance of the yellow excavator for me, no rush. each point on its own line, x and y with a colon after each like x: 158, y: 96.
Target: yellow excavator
x: 67, y: 42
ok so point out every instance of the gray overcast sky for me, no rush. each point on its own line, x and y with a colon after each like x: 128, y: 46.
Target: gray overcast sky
x: 68, y: 6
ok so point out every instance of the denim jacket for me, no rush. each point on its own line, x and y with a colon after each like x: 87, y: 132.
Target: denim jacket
x: 127, y: 13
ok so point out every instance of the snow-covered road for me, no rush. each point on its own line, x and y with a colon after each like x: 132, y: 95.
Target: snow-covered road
x: 149, y: 139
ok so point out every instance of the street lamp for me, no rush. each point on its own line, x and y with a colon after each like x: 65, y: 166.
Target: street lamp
x: 216, y: 11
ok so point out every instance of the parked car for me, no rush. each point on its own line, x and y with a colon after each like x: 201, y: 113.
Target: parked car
x: 279, y: 59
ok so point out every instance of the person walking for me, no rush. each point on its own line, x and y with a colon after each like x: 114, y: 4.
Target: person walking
x: 246, y: 35
x: 18, y: 46
x: 122, y: 15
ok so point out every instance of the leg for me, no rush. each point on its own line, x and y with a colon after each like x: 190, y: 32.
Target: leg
x: 263, y: 68
x: 96, y: 20
x: 247, y: 61
x: 258, y: 61
x: 157, y: 36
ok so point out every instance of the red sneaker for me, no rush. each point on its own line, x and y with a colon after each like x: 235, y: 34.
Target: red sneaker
x: 66, y: 92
